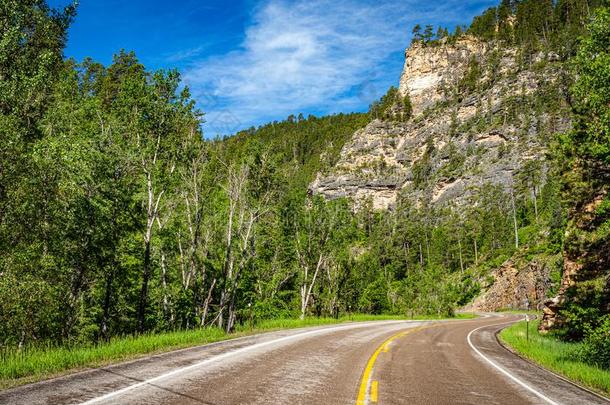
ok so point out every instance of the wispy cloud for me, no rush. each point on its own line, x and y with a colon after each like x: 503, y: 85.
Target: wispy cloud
x: 183, y: 55
x: 312, y: 55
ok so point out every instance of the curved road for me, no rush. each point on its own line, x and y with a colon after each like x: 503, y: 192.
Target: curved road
x: 388, y: 362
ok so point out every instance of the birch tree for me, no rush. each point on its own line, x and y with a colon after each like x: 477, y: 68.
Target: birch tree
x: 313, y: 231
x: 194, y: 236
x: 158, y: 119
x: 243, y: 214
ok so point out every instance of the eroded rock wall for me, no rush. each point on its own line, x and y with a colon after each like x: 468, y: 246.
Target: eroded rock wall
x: 430, y: 70
x: 465, y: 138
x: 515, y: 287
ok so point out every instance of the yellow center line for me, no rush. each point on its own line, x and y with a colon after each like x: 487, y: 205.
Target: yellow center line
x: 368, y: 370
x: 374, y: 388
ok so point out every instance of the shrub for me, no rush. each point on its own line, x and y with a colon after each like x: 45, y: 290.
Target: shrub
x: 595, y: 349
x: 583, y: 310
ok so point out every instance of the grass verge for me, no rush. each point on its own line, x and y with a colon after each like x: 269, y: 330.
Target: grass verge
x: 558, y: 356
x: 32, y: 364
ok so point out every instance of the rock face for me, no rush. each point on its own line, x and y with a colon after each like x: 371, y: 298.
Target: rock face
x: 467, y: 129
x: 515, y: 287
x: 586, y: 262
x: 551, y: 306
x: 429, y: 70
x: 368, y: 167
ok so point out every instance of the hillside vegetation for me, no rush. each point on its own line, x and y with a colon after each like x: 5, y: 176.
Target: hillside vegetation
x: 117, y: 216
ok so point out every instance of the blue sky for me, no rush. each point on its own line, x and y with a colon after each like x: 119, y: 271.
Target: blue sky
x: 249, y: 62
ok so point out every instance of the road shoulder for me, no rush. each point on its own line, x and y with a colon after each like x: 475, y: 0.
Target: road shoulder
x: 546, y: 385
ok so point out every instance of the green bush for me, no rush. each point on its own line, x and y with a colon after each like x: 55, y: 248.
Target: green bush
x: 374, y: 298
x: 582, y: 312
x: 469, y: 289
x: 595, y: 349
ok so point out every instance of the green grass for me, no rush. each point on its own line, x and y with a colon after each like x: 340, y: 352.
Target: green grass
x: 273, y: 324
x: 555, y: 355
x: 37, y: 363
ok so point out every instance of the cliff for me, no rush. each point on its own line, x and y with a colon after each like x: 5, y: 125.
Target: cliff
x: 470, y: 126
x: 517, y: 284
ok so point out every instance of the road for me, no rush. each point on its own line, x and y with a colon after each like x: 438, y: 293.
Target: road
x: 386, y: 362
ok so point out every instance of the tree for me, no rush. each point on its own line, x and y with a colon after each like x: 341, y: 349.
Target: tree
x: 33, y: 36
x: 441, y: 33
x: 249, y: 199
x: 406, y: 108
x: 484, y: 26
x: 505, y: 22
x: 316, y: 229
x: 591, y: 135
x: 469, y: 82
x: 585, y: 156
x: 154, y: 118
x: 392, y: 106
x: 417, y: 35
x: 459, y: 31
x: 533, y: 22
x: 529, y: 181
x: 428, y: 34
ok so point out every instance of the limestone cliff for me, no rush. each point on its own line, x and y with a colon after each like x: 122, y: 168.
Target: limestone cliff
x: 429, y: 70
x: 468, y: 128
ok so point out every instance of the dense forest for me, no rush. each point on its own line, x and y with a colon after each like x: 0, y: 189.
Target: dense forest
x: 118, y: 217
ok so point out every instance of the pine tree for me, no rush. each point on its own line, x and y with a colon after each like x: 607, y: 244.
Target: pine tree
x: 484, y: 26
x: 428, y: 34
x: 417, y: 35
x: 505, y: 23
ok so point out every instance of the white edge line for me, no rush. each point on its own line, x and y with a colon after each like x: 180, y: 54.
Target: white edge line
x: 574, y: 383
x: 230, y: 354
x: 503, y: 371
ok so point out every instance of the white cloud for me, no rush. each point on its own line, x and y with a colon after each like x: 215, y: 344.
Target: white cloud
x: 308, y: 55
x: 184, y: 54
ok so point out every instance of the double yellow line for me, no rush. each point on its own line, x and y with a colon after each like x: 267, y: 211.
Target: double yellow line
x: 368, y: 370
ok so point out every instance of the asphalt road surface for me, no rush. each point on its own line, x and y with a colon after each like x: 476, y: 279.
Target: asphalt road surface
x: 386, y: 362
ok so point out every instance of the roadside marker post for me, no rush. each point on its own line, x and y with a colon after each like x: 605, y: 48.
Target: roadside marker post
x: 251, y: 317
x: 527, y: 327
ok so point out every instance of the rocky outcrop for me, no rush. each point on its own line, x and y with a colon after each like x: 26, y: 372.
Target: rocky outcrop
x: 368, y: 167
x: 551, y: 307
x: 430, y: 70
x: 515, y: 287
x: 467, y: 130
x: 588, y: 260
